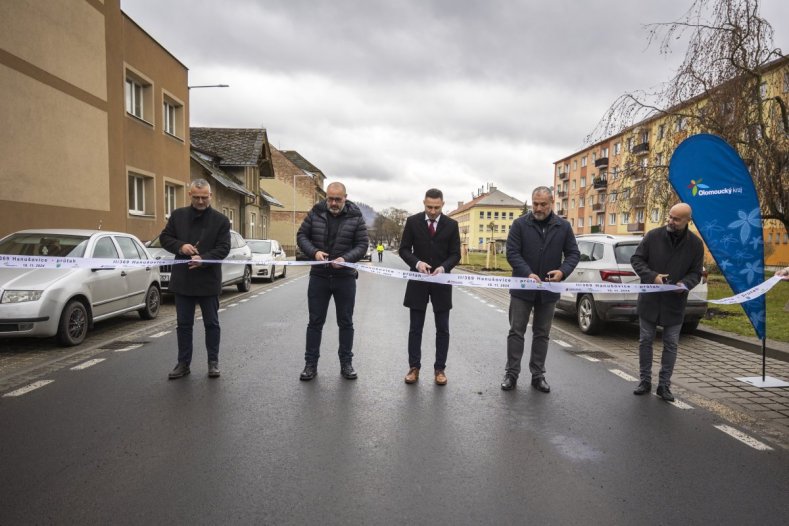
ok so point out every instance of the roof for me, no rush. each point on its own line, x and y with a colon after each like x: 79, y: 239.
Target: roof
x: 270, y: 199
x: 221, y: 177
x: 297, y: 159
x: 234, y: 146
x: 492, y: 198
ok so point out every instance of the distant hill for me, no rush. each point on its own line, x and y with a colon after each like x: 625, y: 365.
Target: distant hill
x: 368, y: 213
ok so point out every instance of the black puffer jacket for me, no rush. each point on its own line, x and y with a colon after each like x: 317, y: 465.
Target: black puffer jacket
x: 351, y: 242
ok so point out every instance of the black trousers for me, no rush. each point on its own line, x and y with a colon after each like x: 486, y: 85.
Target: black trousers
x: 415, y: 338
x: 319, y: 293
x: 185, y: 314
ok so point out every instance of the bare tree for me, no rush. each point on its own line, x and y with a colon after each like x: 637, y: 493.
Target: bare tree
x: 719, y: 88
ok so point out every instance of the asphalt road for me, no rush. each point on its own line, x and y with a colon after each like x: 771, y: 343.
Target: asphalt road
x: 118, y: 443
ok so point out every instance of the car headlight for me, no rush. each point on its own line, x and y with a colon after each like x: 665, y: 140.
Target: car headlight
x: 19, y: 296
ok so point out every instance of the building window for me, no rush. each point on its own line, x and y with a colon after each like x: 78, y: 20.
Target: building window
x: 600, y: 219
x: 655, y: 215
x: 482, y: 215
x: 617, y: 148
x: 171, y: 193
x: 231, y: 215
x: 644, y: 137
x: 572, y: 204
x: 612, y: 219
x: 583, y: 182
x: 612, y: 197
x: 640, y: 215
x: 581, y: 202
x: 512, y: 215
x: 482, y: 241
x: 575, y: 164
x: 604, y: 152
x: 481, y: 228
x: 572, y: 222
x: 583, y: 161
x: 786, y: 81
x: 173, y: 117
x: 679, y: 123
x: 763, y: 90
x: 625, y: 218
x: 643, y: 163
x: 580, y: 222
x: 495, y: 215
x: 594, y: 156
x: 139, y: 97
x: 572, y: 185
x: 629, y: 144
x: 659, y: 159
x: 488, y: 214
x: 140, y: 194
x: 661, y: 131
x: 615, y: 173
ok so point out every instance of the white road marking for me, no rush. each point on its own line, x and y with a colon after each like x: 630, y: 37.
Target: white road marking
x: 499, y: 310
x: 590, y: 358
x: 623, y: 375
x: 129, y: 348
x: 160, y: 334
x: 87, y: 364
x: 562, y: 343
x: 243, y: 301
x: 742, y: 437
x: 232, y: 305
x: 679, y: 404
x: 28, y: 388
x: 221, y: 310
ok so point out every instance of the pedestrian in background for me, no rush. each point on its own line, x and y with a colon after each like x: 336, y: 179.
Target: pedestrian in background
x: 195, y: 233
x: 380, y: 250
x: 333, y: 231
x: 669, y: 254
x: 430, y: 244
x: 784, y: 273
x: 540, y: 246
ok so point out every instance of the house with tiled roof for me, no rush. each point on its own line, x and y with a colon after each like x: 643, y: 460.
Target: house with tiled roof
x: 298, y: 185
x: 487, y: 217
x: 236, y: 159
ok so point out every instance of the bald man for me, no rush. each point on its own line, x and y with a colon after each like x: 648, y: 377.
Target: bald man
x: 670, y: 254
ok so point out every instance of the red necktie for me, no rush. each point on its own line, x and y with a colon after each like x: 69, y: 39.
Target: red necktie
x: 432, y: 227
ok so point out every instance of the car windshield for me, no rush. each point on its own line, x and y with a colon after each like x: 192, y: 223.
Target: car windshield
x: 155, y: 243
x: 623, y: 252
x: 41, y: 244
x: 260, y: 247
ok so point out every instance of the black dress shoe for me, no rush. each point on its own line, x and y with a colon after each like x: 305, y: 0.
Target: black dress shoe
x: 665, y: 393
x: 541, y: 385
x: 309, y: 372
x: 213, y: 369
x: 182, y: 369
x: 347, y: 371
x: 509, y: 383
x: 644, y: 387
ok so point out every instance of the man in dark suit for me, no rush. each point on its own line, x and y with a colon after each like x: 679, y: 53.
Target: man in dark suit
x: 195, y: 233
x: 430, y: 245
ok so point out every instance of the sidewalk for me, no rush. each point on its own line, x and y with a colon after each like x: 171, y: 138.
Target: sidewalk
x: 706, y: 372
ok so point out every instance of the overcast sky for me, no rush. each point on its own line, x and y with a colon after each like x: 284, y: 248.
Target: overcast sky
x: 394, y: 97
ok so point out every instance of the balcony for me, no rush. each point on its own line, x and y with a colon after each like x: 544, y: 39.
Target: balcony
x: 596, y: 229
x: 562, y: 212
x: 563, y: 176
x: 598, y: 206
x: 640, y: 149
x: 635, y: 227
x: 561, y: 193
x: 599, y: 182
x: 602, y: 162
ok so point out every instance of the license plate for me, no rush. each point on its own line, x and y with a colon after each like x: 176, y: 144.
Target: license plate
x: 165, y: 278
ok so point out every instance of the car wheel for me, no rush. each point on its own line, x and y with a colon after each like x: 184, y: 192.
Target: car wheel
x: 153, y: 300
x: 73, y: 324
x: 271, y: 276
x: 588, y: 320
x: 246, y: 283
x: 284, y: 271
x: 689, y: 326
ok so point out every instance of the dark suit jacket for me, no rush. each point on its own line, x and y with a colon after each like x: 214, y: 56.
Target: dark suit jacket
x: 441, y: 250
x: 212, y: 230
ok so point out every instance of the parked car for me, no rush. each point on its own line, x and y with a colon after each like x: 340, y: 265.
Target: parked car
x: 607, y: 258
x: 232, y: 273
x: 65, y: 303
x: 368, y: 256
x: 266, y: 253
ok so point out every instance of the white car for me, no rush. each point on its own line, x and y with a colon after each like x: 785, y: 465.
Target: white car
x: 265, y: 254
x: 604, y: 258
x: 232, y: 273
x: 65, y: 303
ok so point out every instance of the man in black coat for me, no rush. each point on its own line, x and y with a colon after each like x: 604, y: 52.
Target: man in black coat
x: 540, y: 246
x: 195, y: 233
x: 334, y: 230
x: 670, y: 254
x: 430, y: 244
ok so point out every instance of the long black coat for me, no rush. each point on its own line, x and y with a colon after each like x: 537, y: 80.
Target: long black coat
x: 683, y: 263
x: 350, y: 244
x: 440, y: 250
x: 532, y: 251
x: 211, y: 229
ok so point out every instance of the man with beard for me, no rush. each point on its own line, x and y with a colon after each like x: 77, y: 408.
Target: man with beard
x: 334, y: 231
x: 540, y: 246
x: 670, y: 254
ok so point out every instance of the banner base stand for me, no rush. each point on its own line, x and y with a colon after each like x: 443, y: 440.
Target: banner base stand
x: 768, y: 381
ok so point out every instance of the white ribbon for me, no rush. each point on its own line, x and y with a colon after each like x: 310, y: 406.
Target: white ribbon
x: 458, y: 280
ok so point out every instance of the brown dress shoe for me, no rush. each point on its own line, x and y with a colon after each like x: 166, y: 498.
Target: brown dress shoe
x: 441, y: 378
x: 412, y: 376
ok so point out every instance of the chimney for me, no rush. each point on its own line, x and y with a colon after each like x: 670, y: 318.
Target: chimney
x: 460, y: 203
x: 492, y: 188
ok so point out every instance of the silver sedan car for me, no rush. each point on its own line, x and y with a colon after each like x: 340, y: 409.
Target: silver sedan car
x: 66, y: 302
x: 266, y: 253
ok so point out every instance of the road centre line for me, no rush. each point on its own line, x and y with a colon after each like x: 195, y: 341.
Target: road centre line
x: 221, y: 310
x: 129, y: 348
x: 562, y: 343
x: 742, y: 437
x: 244, y: 300
x: 232, y: 305
x: 590, y: 358
x: 160, y: 334
x: 623, y: 375
x: 89, y: 363
x: 28, y: 388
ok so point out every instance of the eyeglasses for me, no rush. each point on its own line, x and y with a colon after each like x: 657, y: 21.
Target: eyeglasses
x: 201, y: 197
x: 335, y: 199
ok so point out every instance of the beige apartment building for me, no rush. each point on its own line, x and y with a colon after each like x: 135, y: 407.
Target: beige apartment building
x: 595, y: 196
x: 95, y: 120
x: 487, y: 217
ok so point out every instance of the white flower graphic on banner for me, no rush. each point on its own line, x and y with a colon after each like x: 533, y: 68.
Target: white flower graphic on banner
x: 751, y: 270
x: 745, y: 222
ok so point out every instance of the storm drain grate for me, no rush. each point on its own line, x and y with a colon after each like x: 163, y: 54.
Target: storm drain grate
x: 111, y: 346
x: 600, y: 355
